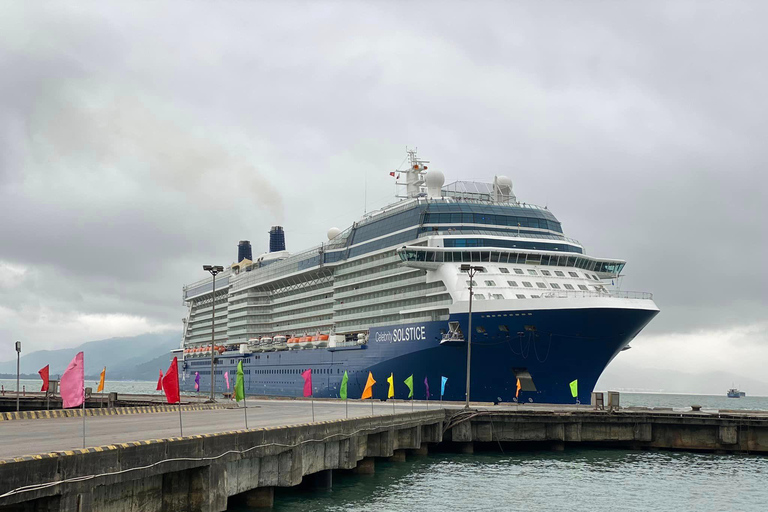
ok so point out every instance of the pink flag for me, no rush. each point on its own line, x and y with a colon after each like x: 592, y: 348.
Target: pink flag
x: 72, y: 383
x: 226, y: 378
x: 307, y: 382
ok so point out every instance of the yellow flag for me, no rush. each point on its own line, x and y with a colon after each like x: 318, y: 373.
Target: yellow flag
x: 519, y: 387
x: 368, y: 391
x: 101, y: 380
x: 574, y: 388
x: 391, y: 380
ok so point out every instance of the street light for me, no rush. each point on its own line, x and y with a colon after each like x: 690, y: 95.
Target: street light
x: 213, y: 269
x: 18, y: 356
x: 471, y: 270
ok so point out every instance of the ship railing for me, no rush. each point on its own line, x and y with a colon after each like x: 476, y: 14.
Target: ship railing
x: 490, y: 232
x: 569, y: 294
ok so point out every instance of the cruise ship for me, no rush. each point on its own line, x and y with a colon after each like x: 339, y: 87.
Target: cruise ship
x: 388, y: 295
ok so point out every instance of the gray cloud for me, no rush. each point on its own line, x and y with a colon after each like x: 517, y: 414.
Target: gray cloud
x: 139, y: 141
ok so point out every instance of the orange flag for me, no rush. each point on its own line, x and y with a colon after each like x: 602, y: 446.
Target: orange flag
x: 368, y: 391
x: 101, y: 380
x: 519, y: 387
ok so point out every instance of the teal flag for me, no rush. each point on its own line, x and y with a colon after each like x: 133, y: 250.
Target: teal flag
x: 239, y: 387
x: 343, y: 390
x: 442, y: 386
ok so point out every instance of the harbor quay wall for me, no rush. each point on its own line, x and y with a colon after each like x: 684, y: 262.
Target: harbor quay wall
x: 709, y: 432
x: 209, y: 472
x: 201, y: 473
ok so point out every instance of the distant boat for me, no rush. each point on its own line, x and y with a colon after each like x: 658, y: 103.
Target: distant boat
x: 735, y: 393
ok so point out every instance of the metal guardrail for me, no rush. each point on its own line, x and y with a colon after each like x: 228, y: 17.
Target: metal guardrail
x: 562, y: 294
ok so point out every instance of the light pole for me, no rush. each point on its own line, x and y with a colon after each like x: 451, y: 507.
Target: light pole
x: 471, y: 270
x: 18, y: 358
x: 213, y: 270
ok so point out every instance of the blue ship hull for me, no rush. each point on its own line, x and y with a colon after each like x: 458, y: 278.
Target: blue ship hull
x: 555, y: 346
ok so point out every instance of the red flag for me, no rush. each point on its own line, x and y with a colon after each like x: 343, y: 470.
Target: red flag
x: 72, y: 383
x: 392, y: 174
x: 44, y: 375
x: 160, y: 382
x: 171, y: 383
x: 307, y: 382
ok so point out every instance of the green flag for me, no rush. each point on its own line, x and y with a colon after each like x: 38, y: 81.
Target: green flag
x: 239, y: 389
x: 343, y: 390
x: 409, y: 383
x: 575, y: 388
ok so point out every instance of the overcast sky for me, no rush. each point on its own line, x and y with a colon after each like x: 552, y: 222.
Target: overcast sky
x: 140, y: 141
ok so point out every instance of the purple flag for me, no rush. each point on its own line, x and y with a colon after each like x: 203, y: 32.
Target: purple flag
x: 197, y: 381
x: 426, y: 383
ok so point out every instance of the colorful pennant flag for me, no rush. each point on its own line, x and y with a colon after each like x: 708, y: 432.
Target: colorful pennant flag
x: 575, y: 388
x: 226, y: 379
x: 368, y: 391
x: 442, y: 386
x: 343, y: 389
x: 240, y: 382
x: 73, y: 383
x: 101, y: 380
x: 409, y: 382
x: 307, y: 381
x: 391, y: 380
x: 426, y: 385
x: 171, y: 383
x: 197, y: 381
x: 44, y: 375
x: 160, y: 382
x: 519, y: 387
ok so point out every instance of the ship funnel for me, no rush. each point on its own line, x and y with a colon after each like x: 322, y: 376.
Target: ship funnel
x: 276, y: 239
x: 244, y: 251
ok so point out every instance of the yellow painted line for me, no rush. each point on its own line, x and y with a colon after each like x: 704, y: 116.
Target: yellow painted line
x: 69, y: 452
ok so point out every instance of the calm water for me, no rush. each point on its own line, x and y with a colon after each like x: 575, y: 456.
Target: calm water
x: 574, y: 480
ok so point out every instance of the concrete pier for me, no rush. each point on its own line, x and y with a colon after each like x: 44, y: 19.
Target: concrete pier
x: 208, y: 472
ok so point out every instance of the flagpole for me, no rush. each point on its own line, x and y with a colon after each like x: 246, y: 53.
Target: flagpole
x: 372, y: 414
x: 312, y: 397
x: 181, y: 428
x: 346, y: 408
x: 245, y: 411
x: 83, y: 418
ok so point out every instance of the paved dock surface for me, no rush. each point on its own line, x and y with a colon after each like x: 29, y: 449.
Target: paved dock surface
x: 28, y: 437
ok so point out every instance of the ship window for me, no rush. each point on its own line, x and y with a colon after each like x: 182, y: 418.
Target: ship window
x: 474, y: 283
x: 480, y: 296
x: 520, y: 296
x: 554, y: 286
x: 568, y: 286
x: 546, y: 273
x: 480, y: 329
x: 558, y: 273
x: 504, y: 270
x: 535, y: 296
x: 587, y: 276
x: 519, y: 271
x: 503, y: 328
x: 573, y: 274
x: 490, y: 283
x: 541, y: 285
x: 527, y: 284
x: 512, y: 283
x: 582, y: 287
x: 532, y: 272
x: 498, y: 296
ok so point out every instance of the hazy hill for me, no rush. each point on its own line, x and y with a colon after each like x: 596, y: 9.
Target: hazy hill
x: 125, y: 358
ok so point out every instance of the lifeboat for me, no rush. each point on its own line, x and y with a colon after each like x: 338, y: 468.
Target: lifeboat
x: 280, y: 343
x: 293, y: 343
x: 322, y: 340
x: 305, y: 341
x: 314, y: 341
x: 266, y: 344
x: 222, y: 350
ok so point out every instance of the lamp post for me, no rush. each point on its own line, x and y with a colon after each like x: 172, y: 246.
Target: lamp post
x: 213, y: 269
x: 471, y: 270
x: 18, y: 358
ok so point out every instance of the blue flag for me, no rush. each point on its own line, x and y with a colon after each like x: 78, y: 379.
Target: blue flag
x: 442, y: 386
